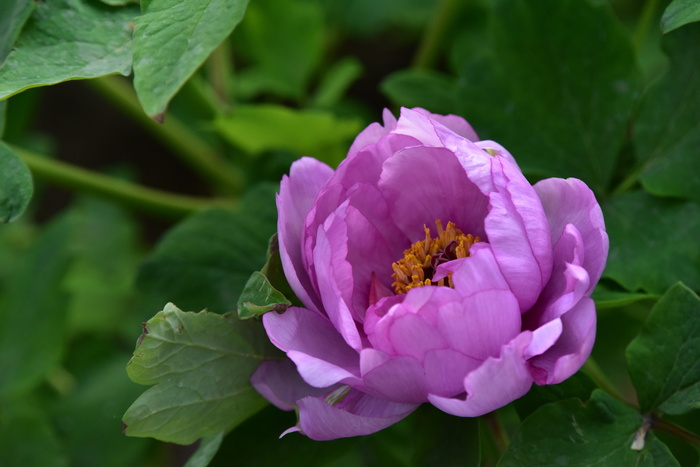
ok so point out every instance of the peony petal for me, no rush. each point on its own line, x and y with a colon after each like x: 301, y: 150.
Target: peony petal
x: 453, y: 122
x: 399, y: 379
x: 355, y: 415
x: 445, y: 370
x: 279, y: 382
x: 422, y: 185
x: 518, y: 232
x: 296, y: 197
x: 544, y: 337
x: 570, y: 201
x: 334, y: 276
x: 309, y: 339
x: 568, y: 284
x: 497, y: 382
x: 571, y: 349
x: 373, y: 133
x: 477, y: 272
x: 481, y: 323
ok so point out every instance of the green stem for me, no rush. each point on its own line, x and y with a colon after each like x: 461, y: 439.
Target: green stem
x: 629, y: 181
x: 436, y: 30
x: 220, y: 73
x: 675, y: 430
x: 173, y: 134
x: 136, y: 196
x: 594, y: 372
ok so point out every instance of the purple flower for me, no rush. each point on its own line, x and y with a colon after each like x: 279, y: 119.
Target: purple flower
x: 430, y: 271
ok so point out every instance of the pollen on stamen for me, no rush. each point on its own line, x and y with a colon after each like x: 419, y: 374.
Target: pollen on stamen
x: 420, y: 261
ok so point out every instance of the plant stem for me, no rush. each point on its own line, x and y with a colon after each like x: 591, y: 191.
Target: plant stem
x: 220, y: 71
x: 594, y: 372
x: 157, y: 202
x: 645, y: 20
x: 436, y: 30
x: 173, y: 134
x: 675, y: 430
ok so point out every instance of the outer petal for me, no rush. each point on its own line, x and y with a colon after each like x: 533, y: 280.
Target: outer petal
x: 399, y: 379
x: 572, y: 349
x: 279, y: 382
x: 570, y: 201
x: 373, y: 133
x: 497, y: 382
x: 355, y: 415
x: 453, y: 122
x: 309, y: 339
x: 296, y: 197
x: 518, y: 232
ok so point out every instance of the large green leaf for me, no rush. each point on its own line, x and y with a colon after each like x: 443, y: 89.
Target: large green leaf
x: 200, y: 364
x: 172, y: 39
x: 653, y: 242
x: 664, y: 360
x: 265, y: 127
x: 13, y: 15
x: 667, y: 130
x: 205, y: 261
x: 559, y: 90
x: 33, y: 312
x: 68, y: 39
x: 16, y: 186
x: 679, y: 13
x: 598, y: 433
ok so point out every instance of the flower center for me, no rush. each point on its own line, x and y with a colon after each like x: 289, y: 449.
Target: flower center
x: 419, y: 262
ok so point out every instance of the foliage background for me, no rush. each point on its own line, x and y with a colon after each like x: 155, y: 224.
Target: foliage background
x: 591, y: 89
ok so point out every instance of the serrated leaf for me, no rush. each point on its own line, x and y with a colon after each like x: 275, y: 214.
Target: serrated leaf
x: 664, y: 360
x: 421, y: 88
x: 205, y: 261
x: 667, y: 130
x: 559, y: 90
x: 265, y: 127
x: 200, y: 364
x: 68, y: 39
x: 598, y: 433
x: 172, y: 39
x: 653, y: 242
x: 259, y: 297
x: 679, y: 13
x: 13, y: 15
x: 16, y: 186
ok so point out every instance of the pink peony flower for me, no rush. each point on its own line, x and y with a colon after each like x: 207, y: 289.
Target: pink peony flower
x: 430, y: 271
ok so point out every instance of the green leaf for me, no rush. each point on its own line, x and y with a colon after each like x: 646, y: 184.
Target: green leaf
x: 27, y: 438
x: 68, y: 39
x: 421, y: 88
x: 172, y: 39
x: 206, y: 260
x: 652, y: 255
x: 336, y: 82
x: 33, y: 312
x: 664, y: 360
x: 559, y: 90
x: 679, y: 13
x: 570, y: 433
x: 579, y: 386
x: 667, y: 130
x: 200, y: 364
x: 606, y: 297
x: 13, y: 15
x: 284, y: 41
x: 206, y: 451
x: 264, y: 127
x: 16, y: 186
x: 259, y: 297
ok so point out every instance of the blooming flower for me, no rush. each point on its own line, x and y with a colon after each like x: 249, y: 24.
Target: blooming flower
x: 430, y: 271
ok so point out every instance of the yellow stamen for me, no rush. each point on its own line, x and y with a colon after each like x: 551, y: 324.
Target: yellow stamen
x: 419, y: 262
